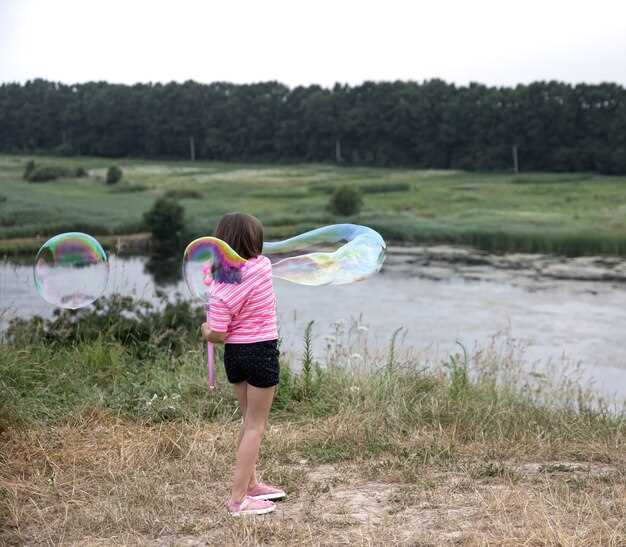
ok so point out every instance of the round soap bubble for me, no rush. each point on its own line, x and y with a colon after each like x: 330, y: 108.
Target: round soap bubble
x: 331, y: 255
x: 210, y: 258
x: 71, y: 270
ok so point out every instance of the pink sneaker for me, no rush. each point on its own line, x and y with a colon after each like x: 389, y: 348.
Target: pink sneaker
x: 262, y: 491
x: 250, y: 506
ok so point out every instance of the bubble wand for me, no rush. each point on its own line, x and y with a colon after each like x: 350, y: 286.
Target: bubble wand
x: 208, y: 260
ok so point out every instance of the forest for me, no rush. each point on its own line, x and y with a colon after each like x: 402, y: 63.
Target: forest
x: 552, y: 126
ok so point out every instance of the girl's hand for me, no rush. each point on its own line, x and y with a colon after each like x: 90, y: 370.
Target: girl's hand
x: 212, y: 336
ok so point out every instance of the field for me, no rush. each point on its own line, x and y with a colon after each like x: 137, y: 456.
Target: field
x: 108, y: 437
x: 572, y: 214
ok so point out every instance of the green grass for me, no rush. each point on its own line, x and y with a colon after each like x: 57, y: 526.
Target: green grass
x: 136, y: 360
x: 570, y: 214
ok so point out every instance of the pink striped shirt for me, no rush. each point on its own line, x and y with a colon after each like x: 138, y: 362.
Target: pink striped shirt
x: 246, y: 310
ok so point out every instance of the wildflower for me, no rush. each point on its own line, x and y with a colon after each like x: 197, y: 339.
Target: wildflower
x: 356, y: 356
x: 362, y: 328
x: 355, y: 389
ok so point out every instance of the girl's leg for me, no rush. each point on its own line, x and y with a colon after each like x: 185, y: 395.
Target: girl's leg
x: 259, y: 402
x: 241, y: 391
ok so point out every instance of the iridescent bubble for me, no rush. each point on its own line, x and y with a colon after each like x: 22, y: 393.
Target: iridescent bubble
x: 210, y: 258
x: 71, y: 270
x: 337, y: 254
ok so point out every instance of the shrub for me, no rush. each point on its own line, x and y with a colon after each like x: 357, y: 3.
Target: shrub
x: 125, y: 188
x: 183, y: 193
x: 81, y: 172
x: 550, y: 178
x: 346, y: 200
x: 114, y: 174
x: 366, y: 188
x: 384, y: 187
x: 139, y: 325
x: 3, y: 199
x: 47, y: 173
x: 30, y: 167
x: 165, y: 221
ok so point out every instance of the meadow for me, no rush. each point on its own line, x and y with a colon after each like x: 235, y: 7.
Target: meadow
x: 108, y: 436
x: 571, y: 214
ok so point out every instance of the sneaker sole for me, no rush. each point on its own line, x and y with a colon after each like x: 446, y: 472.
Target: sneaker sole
x: 268, y: 497
x: 252, y: 512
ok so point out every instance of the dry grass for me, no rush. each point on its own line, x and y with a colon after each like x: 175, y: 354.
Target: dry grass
x: 106, y: 445
x: 103, y: 480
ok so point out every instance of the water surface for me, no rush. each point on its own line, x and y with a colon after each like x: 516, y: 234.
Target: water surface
x: 558, y: 321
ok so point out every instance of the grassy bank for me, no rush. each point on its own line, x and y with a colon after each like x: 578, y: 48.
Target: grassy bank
x: 109, y: 436
x: 28, y: 246
x: 556, y: 213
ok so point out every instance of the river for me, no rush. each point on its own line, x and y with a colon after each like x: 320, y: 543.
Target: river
x: 439, y: 297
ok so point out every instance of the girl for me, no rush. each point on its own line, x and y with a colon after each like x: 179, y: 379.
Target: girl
x: 243, y: 317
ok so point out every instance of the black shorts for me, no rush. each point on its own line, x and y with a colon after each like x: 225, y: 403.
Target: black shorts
x: 255, y: 363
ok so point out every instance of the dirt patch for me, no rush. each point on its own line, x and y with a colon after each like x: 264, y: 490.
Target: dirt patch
x: 591, y: 469
x: 111, y: 483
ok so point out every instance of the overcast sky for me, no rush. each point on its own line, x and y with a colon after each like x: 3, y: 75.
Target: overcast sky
x: 299, y: 42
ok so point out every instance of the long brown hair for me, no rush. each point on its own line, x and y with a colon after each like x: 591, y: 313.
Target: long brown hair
x: 244, y: 233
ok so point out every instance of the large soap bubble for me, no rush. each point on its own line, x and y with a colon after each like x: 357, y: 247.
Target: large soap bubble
x: 337, y: 254
x: 210, y: 258
x: 71, y: 270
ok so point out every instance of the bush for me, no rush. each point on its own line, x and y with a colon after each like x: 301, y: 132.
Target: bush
x: 366, y: 188
x: 47, y: 173
x: 345, y: 201
x: 183, y: 193
x: 3, y: 199
x: 165, y: 221
x: 384, y: 187
x: 125, y: 188
x: 30, y: 167
x: 114, y: 174
x: 141, y: 327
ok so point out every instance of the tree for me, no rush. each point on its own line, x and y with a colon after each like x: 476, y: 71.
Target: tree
x: 346, y: 200
x: 114, y: 175
x: 28, y: 170
x: 430, y: 124
x: 166, y: 221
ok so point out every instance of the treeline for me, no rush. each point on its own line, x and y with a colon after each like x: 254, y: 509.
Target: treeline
x: 554, y: 126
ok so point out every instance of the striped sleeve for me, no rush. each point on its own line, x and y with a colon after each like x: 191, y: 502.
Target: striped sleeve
x: 219, y: 315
